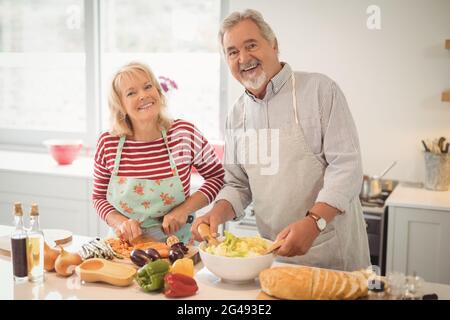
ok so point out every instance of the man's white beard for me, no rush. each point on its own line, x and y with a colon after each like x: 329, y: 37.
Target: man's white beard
x: 255, y: 83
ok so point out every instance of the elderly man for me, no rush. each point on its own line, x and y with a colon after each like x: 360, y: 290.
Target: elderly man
x: 309, y: 195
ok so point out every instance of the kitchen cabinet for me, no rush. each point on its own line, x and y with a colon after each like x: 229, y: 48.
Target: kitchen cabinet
x: 419, y: 233
x: 64, y: 202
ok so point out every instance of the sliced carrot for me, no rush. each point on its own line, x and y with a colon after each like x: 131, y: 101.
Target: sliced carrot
x: 164, y: 253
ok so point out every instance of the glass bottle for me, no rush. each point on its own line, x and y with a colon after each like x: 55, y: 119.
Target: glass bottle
x: 35, y: 247
x: 377, y: 290
x: 19, y: 246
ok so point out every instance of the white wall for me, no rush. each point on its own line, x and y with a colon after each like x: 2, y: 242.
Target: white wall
x: 392, y: 78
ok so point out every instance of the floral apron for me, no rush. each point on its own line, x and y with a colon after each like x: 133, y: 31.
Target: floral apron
x: 147, y: 200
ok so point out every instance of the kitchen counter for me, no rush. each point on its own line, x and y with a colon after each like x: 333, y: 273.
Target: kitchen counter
x: 408, y: 197
x: 56, y: 287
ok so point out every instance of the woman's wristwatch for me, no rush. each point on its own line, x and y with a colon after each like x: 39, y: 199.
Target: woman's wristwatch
x: 321, y: 223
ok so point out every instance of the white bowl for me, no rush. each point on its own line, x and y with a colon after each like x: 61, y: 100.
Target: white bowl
x: 236, y: 269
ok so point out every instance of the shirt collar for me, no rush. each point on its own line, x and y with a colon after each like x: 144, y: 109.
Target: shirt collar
x: 275, y: 84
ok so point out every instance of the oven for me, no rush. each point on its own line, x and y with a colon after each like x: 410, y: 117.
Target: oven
x: 375, y: 219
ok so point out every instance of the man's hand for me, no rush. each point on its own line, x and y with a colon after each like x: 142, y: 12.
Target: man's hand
x: 299, y: 237
x: 219, y: 214
x: 174, y: 221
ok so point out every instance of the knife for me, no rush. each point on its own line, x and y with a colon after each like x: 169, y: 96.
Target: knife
x: 155, y: 233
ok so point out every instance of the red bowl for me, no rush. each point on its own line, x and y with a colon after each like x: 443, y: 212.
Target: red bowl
x: 64, y: 151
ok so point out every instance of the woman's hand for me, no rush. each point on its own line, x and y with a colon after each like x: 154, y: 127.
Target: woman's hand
x: 299, y: 237
x: 174, y: 221
x: 129, y: 230
x: 125, y: 228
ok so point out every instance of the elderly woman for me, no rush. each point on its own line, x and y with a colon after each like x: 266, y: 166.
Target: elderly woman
x: 142, y: 167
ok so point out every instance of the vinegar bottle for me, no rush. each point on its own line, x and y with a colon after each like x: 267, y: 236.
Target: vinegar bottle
x: 35, y: 247
x: 19, y: 246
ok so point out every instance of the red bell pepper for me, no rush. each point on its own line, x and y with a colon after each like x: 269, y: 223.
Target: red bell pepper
x: 179, y: 285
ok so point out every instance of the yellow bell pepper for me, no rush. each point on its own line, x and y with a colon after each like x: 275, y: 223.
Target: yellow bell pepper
x: 183, y: 266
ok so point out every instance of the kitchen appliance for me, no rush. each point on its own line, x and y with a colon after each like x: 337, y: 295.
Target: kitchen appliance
x: 375, y: 215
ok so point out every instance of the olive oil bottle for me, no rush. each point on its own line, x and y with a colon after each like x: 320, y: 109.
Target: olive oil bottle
x: 35, y: 247
x: 19, y: 246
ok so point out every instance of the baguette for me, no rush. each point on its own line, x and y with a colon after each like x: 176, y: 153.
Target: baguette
x: 306, y: 283
x: 293, y: 283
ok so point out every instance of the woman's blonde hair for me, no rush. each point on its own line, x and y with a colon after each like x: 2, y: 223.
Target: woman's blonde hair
x: 120, y: 121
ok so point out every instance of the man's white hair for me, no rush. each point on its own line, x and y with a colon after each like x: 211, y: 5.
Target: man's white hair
x: 236, y: 17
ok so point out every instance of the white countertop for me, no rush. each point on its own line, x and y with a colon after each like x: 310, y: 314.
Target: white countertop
x: 403, y: 196
x: 56, y: 287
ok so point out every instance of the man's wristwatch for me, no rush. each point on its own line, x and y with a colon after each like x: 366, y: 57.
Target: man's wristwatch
x: 321, y: 223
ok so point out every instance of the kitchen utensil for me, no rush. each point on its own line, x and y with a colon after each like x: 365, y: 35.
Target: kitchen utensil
x: 372, y: 186
x: 441, y: 144
x: 275, y: 246
x: 205, y: 233
x: 425, y: 146
x: 156, y: 233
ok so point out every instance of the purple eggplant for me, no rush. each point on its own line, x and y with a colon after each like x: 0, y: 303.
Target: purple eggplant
x: 175, y: 254
x: 140, y: 257
x: 153, y: 254
x: 181, y: 246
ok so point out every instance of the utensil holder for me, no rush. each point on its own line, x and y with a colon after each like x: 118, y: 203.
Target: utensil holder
x: 437, y: 171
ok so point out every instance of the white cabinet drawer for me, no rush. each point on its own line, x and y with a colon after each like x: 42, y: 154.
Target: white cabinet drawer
x: 45, y: 185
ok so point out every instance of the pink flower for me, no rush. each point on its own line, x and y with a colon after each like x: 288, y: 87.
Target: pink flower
x: 167, y: 84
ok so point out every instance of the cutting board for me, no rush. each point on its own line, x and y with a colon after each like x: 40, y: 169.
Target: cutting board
x: 57, y: 236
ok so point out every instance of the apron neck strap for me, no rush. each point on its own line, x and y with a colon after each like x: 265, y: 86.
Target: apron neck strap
x: 294, y: 97
x: 118, y: 155
x: 172, y: 161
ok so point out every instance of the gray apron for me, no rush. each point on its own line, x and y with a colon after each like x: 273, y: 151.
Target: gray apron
x: 285, y: 197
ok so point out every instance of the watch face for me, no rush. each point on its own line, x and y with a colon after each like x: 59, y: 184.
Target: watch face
x: 321, y: 223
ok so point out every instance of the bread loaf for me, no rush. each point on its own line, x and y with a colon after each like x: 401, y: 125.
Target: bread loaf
x: 306, y: 283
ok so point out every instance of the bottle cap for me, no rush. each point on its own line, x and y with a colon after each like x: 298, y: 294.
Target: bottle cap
x: 18, y: 209
x: 34, y: 210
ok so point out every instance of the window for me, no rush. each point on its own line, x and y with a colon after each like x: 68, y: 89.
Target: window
x: 42, y: 66
x: 50, y: 51
x: 178, y: 40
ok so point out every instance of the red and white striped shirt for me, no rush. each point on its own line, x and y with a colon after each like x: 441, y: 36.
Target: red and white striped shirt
x: 150, y: 160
